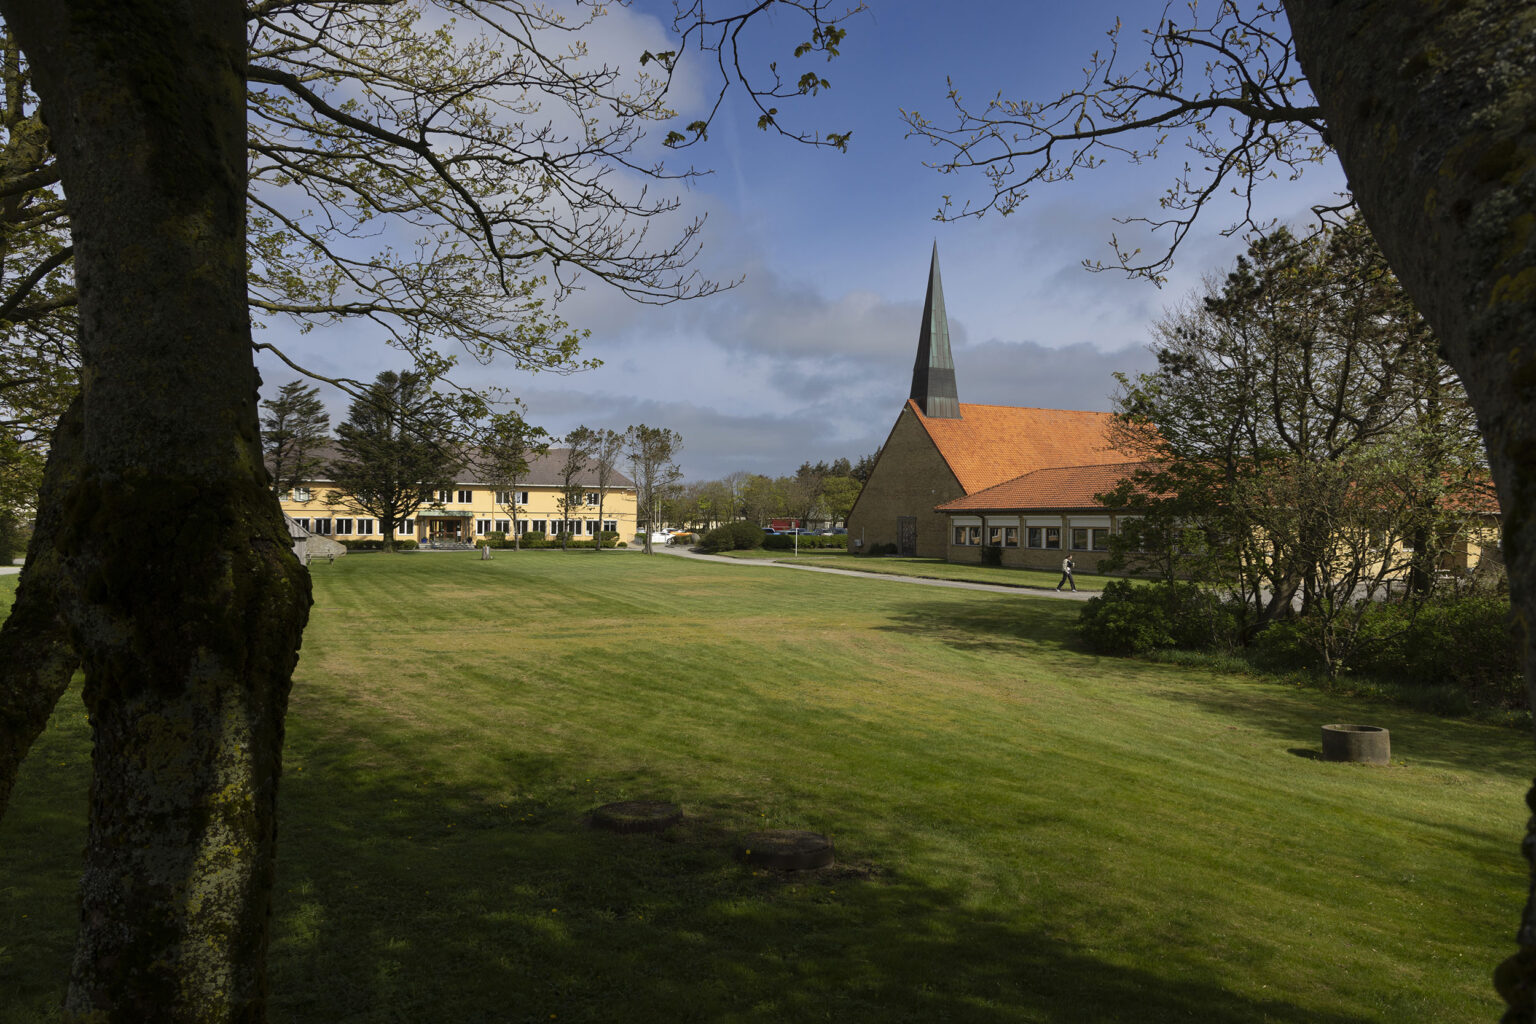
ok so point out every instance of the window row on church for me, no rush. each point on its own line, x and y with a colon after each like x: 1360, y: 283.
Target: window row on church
x: 1081, y: 538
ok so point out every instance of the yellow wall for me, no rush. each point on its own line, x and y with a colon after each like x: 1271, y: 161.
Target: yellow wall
x: 542, y: 505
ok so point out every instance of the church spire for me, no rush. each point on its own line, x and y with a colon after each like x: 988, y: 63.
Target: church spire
x: 933, y: 374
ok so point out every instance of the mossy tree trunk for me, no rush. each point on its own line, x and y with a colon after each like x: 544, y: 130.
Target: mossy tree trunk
x: 181, y: 593
x: 1432, y: 108
x: 37, y: 659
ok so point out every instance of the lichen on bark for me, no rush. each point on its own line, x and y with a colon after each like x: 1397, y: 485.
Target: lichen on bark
x: 178, y: 584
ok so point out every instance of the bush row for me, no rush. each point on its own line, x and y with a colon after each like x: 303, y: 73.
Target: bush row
x: 543, y: 540
x: 375, y: 545
x: 786, y: 542
x: 1468, y: 644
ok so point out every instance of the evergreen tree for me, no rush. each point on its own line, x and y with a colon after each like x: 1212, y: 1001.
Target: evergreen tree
x: 392, y: 451
x: 293, y: 433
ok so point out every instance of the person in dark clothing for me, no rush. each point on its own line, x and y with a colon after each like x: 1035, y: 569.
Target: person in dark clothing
x: 1066, y: 574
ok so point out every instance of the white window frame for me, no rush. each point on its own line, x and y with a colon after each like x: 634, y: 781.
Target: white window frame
x: 365, y: 527
x: 343, y: 526
x: 466, y: 496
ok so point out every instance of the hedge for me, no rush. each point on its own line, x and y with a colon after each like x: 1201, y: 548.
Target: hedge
x: 737, y: 536
x: 786, y: 542
x: 375, y: 545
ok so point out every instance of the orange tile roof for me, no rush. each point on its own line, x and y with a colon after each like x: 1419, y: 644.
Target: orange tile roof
x: 1058, y: 487
x: 993, y: 443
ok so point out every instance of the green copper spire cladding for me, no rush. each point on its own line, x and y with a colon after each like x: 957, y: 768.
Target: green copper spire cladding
x: 933, y: 374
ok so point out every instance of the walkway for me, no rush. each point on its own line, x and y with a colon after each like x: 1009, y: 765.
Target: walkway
x: 1065, y: 595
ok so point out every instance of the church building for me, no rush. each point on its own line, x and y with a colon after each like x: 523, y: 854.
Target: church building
x: 941, y: 450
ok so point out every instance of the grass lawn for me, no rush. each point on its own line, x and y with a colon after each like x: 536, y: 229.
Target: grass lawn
x: 925, y: 568
x: 1025, y: 832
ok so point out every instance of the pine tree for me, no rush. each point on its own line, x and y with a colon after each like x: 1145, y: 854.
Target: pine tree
x: 293, y: 433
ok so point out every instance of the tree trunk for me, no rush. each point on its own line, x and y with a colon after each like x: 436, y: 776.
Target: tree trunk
x: 37, y: 659
x: 183, y: 598
x: 1432, y: 108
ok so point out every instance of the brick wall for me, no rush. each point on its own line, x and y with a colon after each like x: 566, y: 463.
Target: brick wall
x: 910, y: 478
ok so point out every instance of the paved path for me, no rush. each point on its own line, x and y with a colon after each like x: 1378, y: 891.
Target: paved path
x: 1066, y: 595
x: 9, y: 570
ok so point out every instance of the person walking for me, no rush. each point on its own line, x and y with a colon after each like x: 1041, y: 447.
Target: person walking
x: 1066, y: 574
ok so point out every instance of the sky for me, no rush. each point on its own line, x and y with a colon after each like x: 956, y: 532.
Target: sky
x: 810, y: 356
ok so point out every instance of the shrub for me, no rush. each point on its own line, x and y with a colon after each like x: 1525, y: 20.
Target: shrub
x: 1282, y: 646
x: 1470, y: 642
x: 883, y: 549
x: 991, y: 555
x: 1130, y: 618
x: 9, y: 539
x: 737, y: 536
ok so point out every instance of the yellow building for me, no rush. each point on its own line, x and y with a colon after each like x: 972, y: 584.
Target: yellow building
x: 471, y: 509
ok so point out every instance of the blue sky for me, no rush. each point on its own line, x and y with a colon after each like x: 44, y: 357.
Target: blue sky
x: 810, y: 357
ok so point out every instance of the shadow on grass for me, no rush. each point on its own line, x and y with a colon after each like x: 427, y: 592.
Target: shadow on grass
x: 1289, y: 713
x: 992, y: 622
x: 456, y: 909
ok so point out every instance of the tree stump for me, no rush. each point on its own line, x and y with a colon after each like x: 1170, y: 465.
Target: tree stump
x: 1366, y: 744
x: 785, y: 849
x: 628, y: 816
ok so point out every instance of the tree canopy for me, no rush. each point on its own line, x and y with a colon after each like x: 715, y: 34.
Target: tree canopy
x: 1304, y: 439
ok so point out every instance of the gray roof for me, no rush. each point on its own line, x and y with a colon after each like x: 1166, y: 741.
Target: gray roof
x: 543, y: 471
